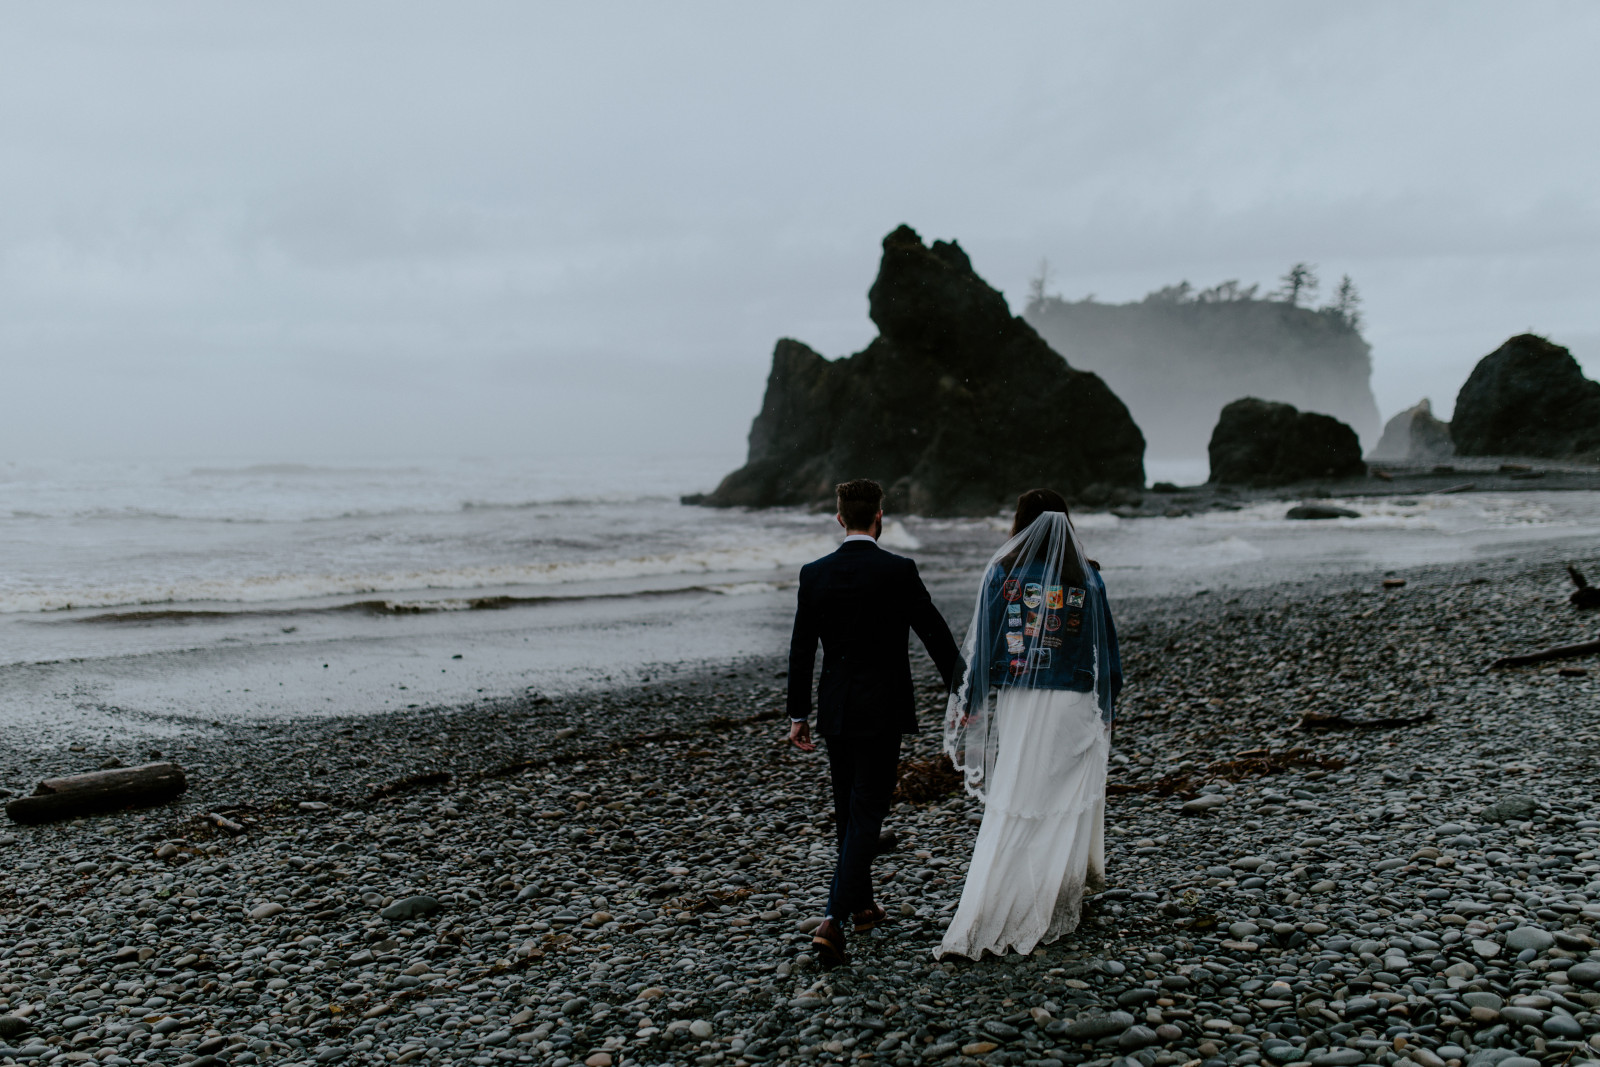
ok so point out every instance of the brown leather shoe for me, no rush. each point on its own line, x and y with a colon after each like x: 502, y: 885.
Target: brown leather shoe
x: 828, y: 940
x: 867, y: 918
x: 888, y: 842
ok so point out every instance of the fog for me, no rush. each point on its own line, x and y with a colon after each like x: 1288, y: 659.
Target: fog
x: 303, y: 231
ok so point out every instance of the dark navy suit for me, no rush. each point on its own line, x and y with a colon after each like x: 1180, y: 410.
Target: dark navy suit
x: 862, y: 603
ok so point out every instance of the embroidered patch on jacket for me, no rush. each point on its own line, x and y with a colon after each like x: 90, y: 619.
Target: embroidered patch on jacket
x: 1019, y: 666
x: 1033, y: 623
x: 1014, y: 621
x: 1031, y: 595
x: 1050, y: 642
x: 1012, y: 589
x: 1074, y: 622
x: 1052, y: 596
x: 1013, y: 643
x: 1039, y: 658
x: 1075, y: 597
x: 1052, y: 623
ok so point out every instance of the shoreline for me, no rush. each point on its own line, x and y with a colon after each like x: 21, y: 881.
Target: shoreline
x: 637, y: 889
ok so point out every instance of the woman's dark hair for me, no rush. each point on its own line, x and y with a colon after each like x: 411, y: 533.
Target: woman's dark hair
x: 1030, y: 506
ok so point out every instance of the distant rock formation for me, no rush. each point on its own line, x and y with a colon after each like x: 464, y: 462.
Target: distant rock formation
x: 1415, y: 436
x: 1262, y: 443
x: 1527, y: 398
x: 957, y: 406
x: 1177, y: 356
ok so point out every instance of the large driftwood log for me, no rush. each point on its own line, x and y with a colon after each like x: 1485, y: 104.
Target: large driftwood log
x: 1588, y: 648
x: 99, y: 791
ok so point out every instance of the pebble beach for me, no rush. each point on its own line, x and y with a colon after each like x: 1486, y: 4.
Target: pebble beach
x: 1333, y: 838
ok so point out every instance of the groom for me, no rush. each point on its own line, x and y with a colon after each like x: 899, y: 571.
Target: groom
x: 860, y: 602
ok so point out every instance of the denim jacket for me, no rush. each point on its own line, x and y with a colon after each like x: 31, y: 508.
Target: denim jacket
x: 1072, y: 664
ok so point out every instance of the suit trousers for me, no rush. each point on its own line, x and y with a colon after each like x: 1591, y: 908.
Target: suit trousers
x: 864, y: 771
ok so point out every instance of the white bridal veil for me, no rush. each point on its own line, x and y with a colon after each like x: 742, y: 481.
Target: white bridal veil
x: 1040, y: 611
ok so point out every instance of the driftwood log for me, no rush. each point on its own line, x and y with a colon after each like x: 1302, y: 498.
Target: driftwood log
x: 1588, y: 648
x: 1585, y: 595
x: 99, y: 791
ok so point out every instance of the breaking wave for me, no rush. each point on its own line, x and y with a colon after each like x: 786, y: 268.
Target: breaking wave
x: 263, y: 589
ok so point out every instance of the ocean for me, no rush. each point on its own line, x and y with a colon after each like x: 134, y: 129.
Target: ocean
x: 155, y: 598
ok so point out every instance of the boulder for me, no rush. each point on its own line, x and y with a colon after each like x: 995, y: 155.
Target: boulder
x: 1527, y: 398
x: 1415, y: 436
x: 1264, y: 443
x: 956, y: 407
x: 1320, y: 511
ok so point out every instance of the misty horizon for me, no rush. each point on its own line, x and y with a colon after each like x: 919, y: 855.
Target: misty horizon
x: 302, y: 234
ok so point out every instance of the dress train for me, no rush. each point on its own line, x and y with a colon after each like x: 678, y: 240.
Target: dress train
x: 1042, y: 842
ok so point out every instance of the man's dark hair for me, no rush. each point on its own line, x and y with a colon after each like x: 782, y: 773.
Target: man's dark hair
x: 860, y: 500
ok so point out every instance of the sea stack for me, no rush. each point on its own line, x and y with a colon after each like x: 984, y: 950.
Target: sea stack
x: 956, y: 407
x: 1415, y: 436
x: 1527, y: 398
x: 1264, y: 443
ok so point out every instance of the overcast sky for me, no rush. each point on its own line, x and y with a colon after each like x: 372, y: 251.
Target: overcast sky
x: 330, y: 231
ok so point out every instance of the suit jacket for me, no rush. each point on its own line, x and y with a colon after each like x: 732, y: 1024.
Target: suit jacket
x: 861, y: 603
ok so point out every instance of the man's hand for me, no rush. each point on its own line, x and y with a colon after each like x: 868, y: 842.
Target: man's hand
x: 800, y: 736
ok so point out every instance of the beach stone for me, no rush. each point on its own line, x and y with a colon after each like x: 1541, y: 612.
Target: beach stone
x: 1279, y: 1050
x: 267, y: 910
x: 410, y: 908
x: 1242, y: 930
x: 1360, y: 1005
x: 1339, y: 1057
x: 1201, y: 805
x: 1520, y: 1061
x: 1563, y: 1027
x: 1586, y: 973
x: 1137, y: 1036
x: 1510, y: 809
x: 598, y: 1059
x: 1487, y: 949
x: 1521, y: 1016
x: 1092, y: 1027
x: 1489, y: 1057
x: 1482, y: 999
x: 700, y: 1028
x: 1526, y: 937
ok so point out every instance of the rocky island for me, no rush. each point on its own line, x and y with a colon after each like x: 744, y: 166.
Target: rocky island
x: 956, y: 407
x: 1527, y: 398
x: 1177, y: 356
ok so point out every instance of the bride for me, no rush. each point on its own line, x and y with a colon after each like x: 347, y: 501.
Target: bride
x: 1030, y: 729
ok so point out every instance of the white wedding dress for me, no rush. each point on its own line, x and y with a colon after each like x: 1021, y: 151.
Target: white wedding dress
x: 1042, y: 842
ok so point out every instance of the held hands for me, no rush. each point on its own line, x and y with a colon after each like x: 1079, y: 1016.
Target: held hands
x: 800, y: 736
